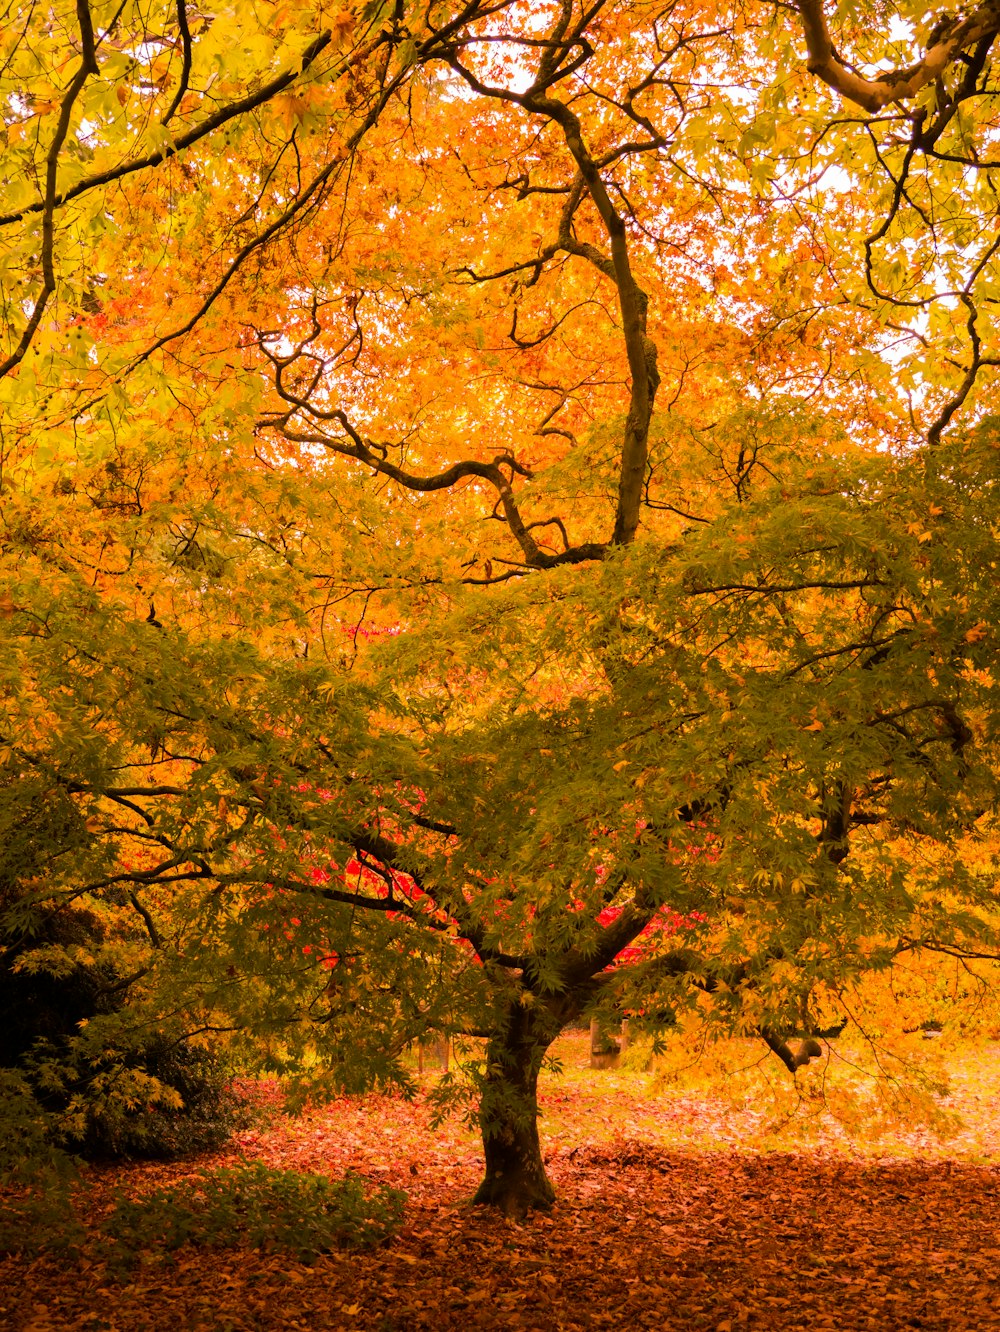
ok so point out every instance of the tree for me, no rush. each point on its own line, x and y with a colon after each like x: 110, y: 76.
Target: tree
x: 493, y: 505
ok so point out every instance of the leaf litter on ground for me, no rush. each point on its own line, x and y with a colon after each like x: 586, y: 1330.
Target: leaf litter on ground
x: 677, y: 1210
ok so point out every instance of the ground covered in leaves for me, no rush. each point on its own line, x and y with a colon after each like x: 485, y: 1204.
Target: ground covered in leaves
x: 676, y: 1210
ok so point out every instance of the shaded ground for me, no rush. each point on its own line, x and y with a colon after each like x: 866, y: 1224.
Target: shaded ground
x: 647, y: 1234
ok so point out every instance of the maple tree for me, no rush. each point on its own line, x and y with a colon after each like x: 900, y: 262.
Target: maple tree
x: 484, y: 485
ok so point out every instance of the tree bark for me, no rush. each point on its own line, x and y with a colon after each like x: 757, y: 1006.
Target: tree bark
x: 515, y: 1180
x: 603, y: 1050
x: 954, y: 37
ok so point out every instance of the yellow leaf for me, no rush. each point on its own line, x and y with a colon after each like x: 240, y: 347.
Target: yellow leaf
x: 291, y: 108
x: 159, y: 72
x: 622, y: 763
x: 977, y: 633
x: 342, y: 24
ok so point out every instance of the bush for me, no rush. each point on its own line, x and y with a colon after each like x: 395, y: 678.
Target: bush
x: 165, y: 1100
x: 73, y: 1037
x: 255, y: 1205
x: 41, y: 1219
x: 36, y: 1178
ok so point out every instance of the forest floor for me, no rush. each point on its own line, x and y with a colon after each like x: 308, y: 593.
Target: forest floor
x: 678, y: 1209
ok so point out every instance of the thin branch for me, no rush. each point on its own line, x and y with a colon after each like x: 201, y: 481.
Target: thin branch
x: 47, y: 206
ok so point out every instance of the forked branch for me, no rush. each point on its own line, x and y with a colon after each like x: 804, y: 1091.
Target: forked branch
x: 953, y: 37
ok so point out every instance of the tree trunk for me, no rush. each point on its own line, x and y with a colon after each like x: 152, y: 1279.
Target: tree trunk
x: 440, y: 1050
x: 603, y: 1050
x: 515, y: 1179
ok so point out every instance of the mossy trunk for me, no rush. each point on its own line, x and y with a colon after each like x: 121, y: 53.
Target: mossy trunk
x: 515, y: 1179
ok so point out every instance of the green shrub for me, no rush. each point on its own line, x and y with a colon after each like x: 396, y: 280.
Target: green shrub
x: 93, y: 1070
x: 103, y: 1083
x: 36, y: 1177
x: 165, y: 1100
x: 40, y: 1219
x: 255, y: 1205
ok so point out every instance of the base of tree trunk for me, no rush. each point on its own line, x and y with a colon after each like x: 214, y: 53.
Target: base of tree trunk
x: 604, y: 1051
x: 604, y: 1059
x: 515, y: 1181
x: 516, y: 1194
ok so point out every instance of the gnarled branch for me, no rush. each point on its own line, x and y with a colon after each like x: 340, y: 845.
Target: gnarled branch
x: 953, y: 37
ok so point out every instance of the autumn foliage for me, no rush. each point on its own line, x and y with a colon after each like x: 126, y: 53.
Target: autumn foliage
x: 497, y: 526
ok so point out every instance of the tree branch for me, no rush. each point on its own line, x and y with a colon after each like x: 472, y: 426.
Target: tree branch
x: 955, y: 37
